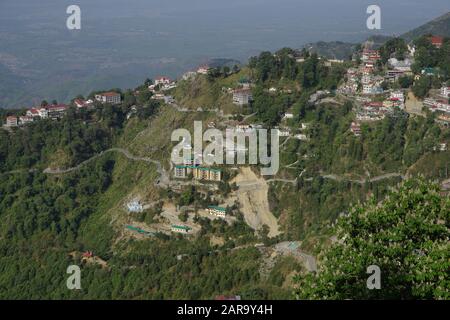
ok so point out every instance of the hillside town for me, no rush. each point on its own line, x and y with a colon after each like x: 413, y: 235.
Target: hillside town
x: 170, y: 156
x: 370, y: 85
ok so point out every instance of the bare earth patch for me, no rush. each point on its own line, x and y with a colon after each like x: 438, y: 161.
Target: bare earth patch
x: 252, y: 195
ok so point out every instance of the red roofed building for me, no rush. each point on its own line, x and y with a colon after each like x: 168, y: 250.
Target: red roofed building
x: 203, y: 69
x: 437, y: 41
x: 88, y: 254
x: 33, y: 112
x: 162, y: 81
x: 56, y: 111
x: 375, y: 104
x: 80, y: 103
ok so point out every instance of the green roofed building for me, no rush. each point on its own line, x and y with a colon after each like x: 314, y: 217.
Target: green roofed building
x: 217, y: 211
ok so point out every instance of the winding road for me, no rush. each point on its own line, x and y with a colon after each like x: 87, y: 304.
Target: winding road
x: 164, y: 176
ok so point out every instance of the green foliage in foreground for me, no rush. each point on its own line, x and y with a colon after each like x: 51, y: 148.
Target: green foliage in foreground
x: 407, y: 236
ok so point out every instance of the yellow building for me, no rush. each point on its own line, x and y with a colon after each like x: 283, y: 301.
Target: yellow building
x: 199, y: 173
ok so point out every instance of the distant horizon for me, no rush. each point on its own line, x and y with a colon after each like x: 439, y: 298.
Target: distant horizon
x: 121, y: 44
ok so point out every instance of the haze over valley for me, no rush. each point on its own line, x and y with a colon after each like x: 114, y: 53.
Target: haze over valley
x: 123, y: 42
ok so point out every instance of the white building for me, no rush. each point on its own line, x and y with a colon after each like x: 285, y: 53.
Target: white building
x: 80, y: 103
x: 400, y: 65
x: 43, y: 113
x: 25, y: 120
x: 135, y: 206
x: 372, y: 89
x: 398, y: 95
x: 301, y: 137
x: 12, y: 121
x: 162, y: 81
x: 109, y: 97
x: 203, y: 69
x: 284, y: 133
x: 217, y: 211
x: 181, y: 229
x: 445, y: 91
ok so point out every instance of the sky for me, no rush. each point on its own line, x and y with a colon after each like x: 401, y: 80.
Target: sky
x: 122, y: 42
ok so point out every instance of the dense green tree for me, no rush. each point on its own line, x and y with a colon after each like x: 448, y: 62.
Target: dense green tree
x: 406, y: 236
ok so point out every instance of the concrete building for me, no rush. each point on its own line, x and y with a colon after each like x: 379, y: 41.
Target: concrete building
x: 203, y: 69
x: 135, y: 206
x: 25, y: 120
x: 217, y: 211
x: 12, y: 121
x: 109, y: 97
x: 445, y: 92
x: 242, y: 97
x: 56, y: 111
x: 198, y: 173
x: 437, y: 41
x: 163, y: 81
x: 181, y: 229
x: 355, y: 128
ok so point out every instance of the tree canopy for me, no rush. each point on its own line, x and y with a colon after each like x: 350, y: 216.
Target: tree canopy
x: 406, y: 236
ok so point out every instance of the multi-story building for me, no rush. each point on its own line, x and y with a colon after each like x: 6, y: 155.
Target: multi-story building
x: 217, y: 211
x: 162, y: 81
x: 181, y: 229
x: 199, y: 173
x: 12, y: 121
x: 355, y: 128
x: 242, y: 97
x: 56, y: 111
x: 33, y: 112
x: 445, y: 92
x: 25, y: 119
x: 437, y: 41
x: 203, y: 69
x: 109, y: 97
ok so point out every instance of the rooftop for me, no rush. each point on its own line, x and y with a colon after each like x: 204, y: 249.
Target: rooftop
x: 217, y: 208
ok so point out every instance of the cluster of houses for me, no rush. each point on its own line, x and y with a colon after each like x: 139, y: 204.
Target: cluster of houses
x: 371, y: 84
x: 377, y: 110
x: 57, y: 111
x: 203, y: 70
x: 439, y: 102
x: 163, y: 83
x: 53, y: 111
x: 363, y: 78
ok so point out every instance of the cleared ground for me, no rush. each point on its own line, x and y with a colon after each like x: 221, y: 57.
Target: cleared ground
x: 252, y: 195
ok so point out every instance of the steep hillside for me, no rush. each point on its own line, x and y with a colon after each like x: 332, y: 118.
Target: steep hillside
x: 440, y: 27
